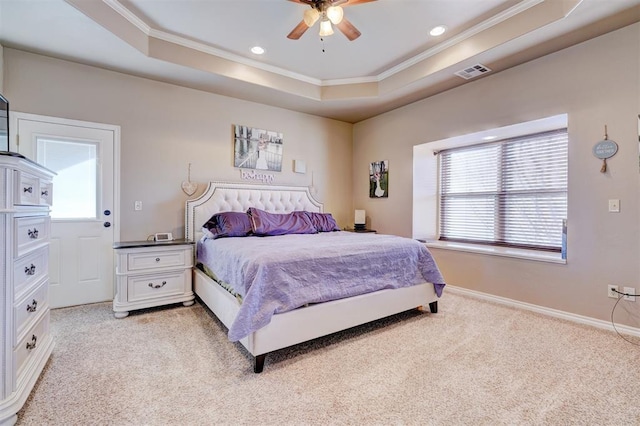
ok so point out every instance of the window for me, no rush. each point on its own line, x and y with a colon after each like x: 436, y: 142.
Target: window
x: 75, y: 162
x: 508, y: 193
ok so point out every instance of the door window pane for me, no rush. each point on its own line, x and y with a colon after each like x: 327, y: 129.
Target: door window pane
x: 74, y: 187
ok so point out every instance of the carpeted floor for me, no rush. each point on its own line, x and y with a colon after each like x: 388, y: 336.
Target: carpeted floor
x: 472, y: 363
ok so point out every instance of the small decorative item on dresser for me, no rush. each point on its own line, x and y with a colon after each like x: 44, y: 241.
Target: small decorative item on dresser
x: 150, y: 273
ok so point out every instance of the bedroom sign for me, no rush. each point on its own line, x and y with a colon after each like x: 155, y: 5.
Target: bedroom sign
x: 257, y: 176
x: 257, y: 148
x: 605, y: 149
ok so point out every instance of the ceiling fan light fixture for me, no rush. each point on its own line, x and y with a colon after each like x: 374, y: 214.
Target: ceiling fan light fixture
x: 310, y: 17
x: 335, y: 14
x: 325, y: 28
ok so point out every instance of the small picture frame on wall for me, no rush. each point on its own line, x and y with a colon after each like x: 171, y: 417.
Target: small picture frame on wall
x: 379, y: 179
x: 257, y: 148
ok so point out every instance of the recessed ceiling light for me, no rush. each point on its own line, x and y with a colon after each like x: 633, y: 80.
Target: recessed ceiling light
x: 438, y: 31
x: 257, y: 50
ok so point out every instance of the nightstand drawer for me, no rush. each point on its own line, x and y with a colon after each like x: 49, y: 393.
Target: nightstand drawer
x: 27, y: 310
x: 30, y: 232
x: 156, y: 259
x: 29, y: 344
x: 29, y: 269
x: 151, y: 286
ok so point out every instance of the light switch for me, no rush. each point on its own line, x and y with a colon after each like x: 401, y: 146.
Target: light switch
x: 614, y: 206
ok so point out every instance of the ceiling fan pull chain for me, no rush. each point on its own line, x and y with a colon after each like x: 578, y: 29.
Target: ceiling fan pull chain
x: 322, y: 40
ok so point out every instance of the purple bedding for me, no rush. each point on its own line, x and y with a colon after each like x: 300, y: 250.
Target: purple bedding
x: 281, y: 273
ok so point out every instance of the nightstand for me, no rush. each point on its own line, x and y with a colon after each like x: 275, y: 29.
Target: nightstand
x: 150, y: 273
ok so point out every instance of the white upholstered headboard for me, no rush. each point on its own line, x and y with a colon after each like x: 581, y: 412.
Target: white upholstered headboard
x: 238, y: 197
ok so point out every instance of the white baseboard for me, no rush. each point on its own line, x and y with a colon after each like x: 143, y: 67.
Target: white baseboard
x: 625, y: 329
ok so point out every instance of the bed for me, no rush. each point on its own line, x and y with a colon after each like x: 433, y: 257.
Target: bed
x: 295, y: 323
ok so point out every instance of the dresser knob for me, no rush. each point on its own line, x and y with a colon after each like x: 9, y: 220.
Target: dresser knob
x: 44, y: 193
x: 28, y: 189
x: 33, y: 306
x: 157, y: 259
x: 157, y: 285
x: 32, y: 345
x: 30, y: 270
x: 32, y: 234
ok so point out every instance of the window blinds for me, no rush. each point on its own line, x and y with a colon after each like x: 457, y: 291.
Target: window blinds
x: 512, y: 192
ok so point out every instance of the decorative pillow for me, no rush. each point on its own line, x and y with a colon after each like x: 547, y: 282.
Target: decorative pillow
x: 268, y: 224
x: 227, y: 224
x: 323, y: 222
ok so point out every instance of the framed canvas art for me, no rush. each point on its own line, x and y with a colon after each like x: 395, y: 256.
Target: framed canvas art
x: 379, y: 179
x: 257, y: 148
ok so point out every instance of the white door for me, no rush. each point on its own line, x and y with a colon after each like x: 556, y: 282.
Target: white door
x: 83, y: 215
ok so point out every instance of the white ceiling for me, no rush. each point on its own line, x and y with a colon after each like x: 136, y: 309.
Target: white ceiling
x: 205, y: 44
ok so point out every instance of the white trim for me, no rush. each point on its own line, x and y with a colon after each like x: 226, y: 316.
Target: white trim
x: 202, y: 47
x: 537, y: 255
x: 465, y: 35
x: 15, y: 116
x: 555, y: 313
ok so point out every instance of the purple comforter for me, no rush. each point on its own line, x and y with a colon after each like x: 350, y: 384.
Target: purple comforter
x: 281, y: 273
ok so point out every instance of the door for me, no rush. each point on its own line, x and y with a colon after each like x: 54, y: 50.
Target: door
x: 83, y: 215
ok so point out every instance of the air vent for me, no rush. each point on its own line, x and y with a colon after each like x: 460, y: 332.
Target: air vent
x: 473, y: 71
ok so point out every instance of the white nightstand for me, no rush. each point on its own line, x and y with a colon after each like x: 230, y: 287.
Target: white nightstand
x: 151, y: 274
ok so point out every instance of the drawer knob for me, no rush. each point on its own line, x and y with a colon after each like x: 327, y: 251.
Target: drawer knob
x: 33, y: 234
x: 32, y: 345
x: 152, y: 285
x: 28, y: 189
x: 33, y: 306
x: 30, y: 270
x: 44, y: 193
x: 157, y: 259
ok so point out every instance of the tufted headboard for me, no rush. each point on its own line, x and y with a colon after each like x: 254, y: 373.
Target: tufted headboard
x: 238, y: 197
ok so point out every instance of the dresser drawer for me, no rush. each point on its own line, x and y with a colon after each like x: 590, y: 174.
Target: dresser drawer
x: 29, y: 344
x: 46, y: 193
x: 159, y: 259
x: 151, y: 286
x: 30, y: 232
x: 29, y: 269
x: 27, y: 189
x: 27, y: 309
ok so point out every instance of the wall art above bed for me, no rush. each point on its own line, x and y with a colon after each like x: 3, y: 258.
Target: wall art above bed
x: 257, y: 148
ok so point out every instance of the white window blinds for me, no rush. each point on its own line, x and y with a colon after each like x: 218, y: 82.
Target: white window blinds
x: 509, y: 193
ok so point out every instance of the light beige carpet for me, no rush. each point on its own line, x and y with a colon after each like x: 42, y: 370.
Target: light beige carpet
x: 474, y: 363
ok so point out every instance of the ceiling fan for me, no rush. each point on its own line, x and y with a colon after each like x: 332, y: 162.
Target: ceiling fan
x: 328, y: 12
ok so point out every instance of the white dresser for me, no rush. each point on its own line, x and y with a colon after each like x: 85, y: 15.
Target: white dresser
x: 25, y: 199
x: 151, y: 274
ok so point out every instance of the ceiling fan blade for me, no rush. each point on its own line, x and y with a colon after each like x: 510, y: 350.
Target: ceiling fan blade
x: 309, y: 2
x: 348, y: 29
x: 352, y: 2
x: 297, y: 32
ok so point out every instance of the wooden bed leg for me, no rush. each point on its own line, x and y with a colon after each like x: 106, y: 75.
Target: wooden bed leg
x: 258, y: 363
x: 433, y: 307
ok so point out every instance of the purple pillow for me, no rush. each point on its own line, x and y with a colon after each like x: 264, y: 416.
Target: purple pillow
x: 263, y: 223
x: 323, y: 222
x: 228, y: 224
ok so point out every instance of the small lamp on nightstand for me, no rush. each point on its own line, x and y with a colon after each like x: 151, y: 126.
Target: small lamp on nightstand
x: 360, y: 219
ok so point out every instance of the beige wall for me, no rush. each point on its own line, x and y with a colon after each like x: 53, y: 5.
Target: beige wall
x: 166, y: 127
x: 596, y: 83
x: 1, y: 69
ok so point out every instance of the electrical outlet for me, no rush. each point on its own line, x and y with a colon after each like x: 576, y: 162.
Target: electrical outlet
x: 137, y: 205
x: 630, y: 290
x: 612, y: 293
